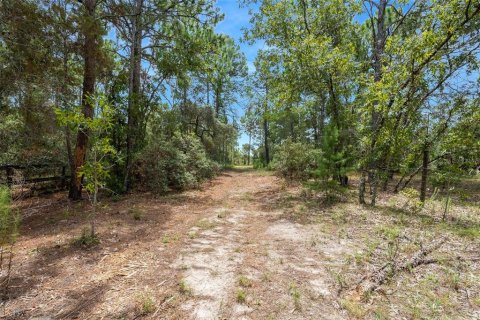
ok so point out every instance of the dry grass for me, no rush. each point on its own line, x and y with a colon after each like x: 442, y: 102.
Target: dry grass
x: 285, y: 252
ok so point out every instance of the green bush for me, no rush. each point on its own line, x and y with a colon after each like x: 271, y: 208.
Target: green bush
x: 335, y: 160
x: 294, y: 160
x: 9, y: 220
x: 258, y: 164
x: 179, y: 163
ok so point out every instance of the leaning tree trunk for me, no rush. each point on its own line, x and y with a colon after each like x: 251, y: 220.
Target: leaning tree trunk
x: 90, y: 49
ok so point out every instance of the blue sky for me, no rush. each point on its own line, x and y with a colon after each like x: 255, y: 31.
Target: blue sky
x: 237, y: 18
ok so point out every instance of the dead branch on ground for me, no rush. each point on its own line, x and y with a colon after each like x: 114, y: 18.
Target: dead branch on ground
x: 374, y: 280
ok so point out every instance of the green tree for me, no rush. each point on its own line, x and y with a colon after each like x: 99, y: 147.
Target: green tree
x: 96, y: 169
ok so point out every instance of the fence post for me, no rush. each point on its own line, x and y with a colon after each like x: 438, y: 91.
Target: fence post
x: 10, y: 172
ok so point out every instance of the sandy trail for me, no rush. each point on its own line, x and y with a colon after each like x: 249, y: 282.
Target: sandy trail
x: 284, y: 264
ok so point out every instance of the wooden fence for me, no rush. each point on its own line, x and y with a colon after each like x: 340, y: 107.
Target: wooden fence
x: 34, y: 174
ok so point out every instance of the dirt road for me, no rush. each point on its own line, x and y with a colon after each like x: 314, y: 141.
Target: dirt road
x: 223, y: 252
x: 251, y: 262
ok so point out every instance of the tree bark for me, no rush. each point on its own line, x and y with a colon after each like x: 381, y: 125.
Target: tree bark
x: 361, y: 189
x: 265, y: 134
x: 249, y: 147
x: 425, y: 161
x: 133, y: 111
x: 90, y: 51
x: 218, y: 100
x: 379, y: 38
x: 265, y: 128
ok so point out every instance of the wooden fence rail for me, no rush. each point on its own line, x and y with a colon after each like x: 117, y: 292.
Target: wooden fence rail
x: 10, y: 174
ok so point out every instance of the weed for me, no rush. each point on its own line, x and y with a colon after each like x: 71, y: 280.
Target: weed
x: 381, y: 313
x: 476, y: 300
x: 454, y: 281
x: 355, y: 309
x: 432, y: 278
x: 193, y: 234
x: 295, y: 293
x: 87, y: 238
x: 390, y: 233
x: 205, y: 224
x: 184, y: 288
x: 340, y: 216
x: 342, y: 233
x: 241, y: 296
x: 266, y: 277
x: 413, y: 204
x: 147, y: 303
x: 244, y: 282
x: 403, y: 220
x: 361, y: 257
x: 136, y: 213
x: 222, y: 214
x: 169, y: 238
x: 66, y: 213
x: 339, y: 278
x: 470, y: 232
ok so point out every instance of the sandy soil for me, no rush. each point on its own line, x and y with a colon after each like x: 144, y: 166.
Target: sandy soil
x: 232, y: 250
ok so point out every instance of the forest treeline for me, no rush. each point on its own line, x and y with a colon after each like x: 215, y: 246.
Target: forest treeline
x: 127, y: 93
x: 142, y: 92
x: 386, y: 89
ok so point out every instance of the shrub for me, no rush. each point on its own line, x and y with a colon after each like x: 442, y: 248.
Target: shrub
x: 88, y: 238
x: 9, y: 221
x: 412, y: 204
x: 335, y: 160
x: 178, y: 163
x: 294, y: 160
x: 146, y: 302
x: 241, y: 296
x: 258, y: 164
x: 332, y: 191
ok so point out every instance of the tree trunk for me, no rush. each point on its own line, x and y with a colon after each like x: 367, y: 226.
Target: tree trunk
x: 425, y: 161
x: 68, y: 133
x: 208, y: 92
x: 218, y: 103
x: 321, y: 124
x: 133, y: 111
x: 265, y: 129
x: 249, y: 148
x: 378, y: 49
x: 64, y: 93
x: 374, y: 185
x: 90, y: 49
x: 265, y: 134
x: 361, y: 189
